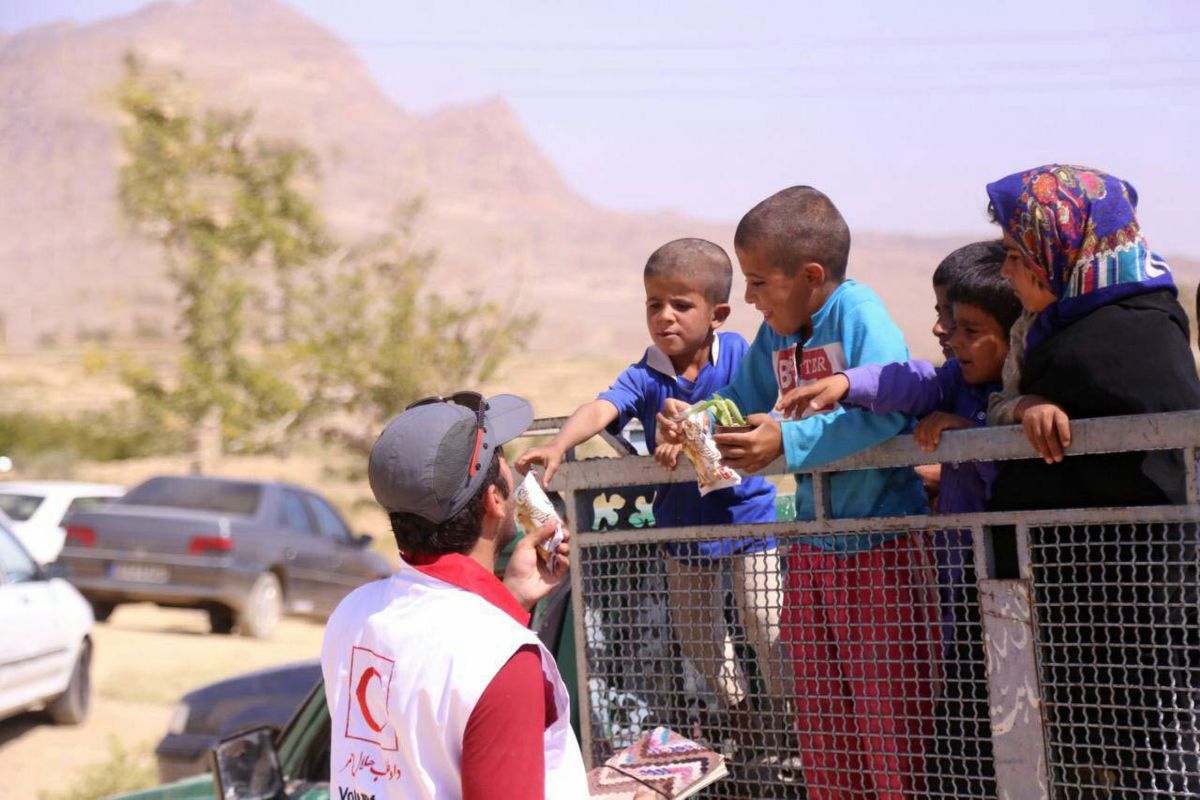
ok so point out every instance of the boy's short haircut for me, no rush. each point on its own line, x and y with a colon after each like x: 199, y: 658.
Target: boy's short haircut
x: 964, y: 258
x: 794, y: 227
x: 981, y: 285
x: 699, y: 262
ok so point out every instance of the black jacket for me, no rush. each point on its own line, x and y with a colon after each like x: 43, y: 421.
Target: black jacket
x: 1131, y: 357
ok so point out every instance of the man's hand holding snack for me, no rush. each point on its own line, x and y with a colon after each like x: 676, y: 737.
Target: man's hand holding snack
x: 670, y: 421
x: 815, y: 396
x: 928, y: 433
x: 530, y: 576
x: 1047, y: 427
x: 753, y: 450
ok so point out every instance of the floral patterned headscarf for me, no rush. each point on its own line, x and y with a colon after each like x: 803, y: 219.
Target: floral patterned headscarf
x: 1077, y: 228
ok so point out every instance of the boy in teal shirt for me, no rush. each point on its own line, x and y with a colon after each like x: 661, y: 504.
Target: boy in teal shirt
x: 860, y: 611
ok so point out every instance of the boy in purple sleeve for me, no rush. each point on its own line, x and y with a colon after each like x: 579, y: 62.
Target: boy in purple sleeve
x: 947, y: 273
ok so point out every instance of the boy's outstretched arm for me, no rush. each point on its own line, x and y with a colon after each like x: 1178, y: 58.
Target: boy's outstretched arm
x: 870, y: 337
x: 586, y: 421
x: 815, y: 396
x: 910, y: 387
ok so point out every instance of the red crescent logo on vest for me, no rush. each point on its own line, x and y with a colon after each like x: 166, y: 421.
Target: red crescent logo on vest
x: 365, y: 695
x: 361, y: 694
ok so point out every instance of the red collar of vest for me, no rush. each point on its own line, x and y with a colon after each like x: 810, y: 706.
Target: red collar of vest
x: 467, y: 573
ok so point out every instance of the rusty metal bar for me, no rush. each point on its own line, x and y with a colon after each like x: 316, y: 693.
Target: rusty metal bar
x: 822, y: 497
x: 1083, y: 516
x: 1189, y: 462
x: 579, y: 629
x: 1178, y: 430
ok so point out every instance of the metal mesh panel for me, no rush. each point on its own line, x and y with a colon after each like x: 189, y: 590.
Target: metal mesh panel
x: 1116, y: 608
x: 855, y: 670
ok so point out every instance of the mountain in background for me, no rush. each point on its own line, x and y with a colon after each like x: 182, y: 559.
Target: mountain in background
x: 499, y: 213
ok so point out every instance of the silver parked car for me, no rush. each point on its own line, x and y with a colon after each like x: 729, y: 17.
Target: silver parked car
x: 244, y: 551
x: 45, y: 638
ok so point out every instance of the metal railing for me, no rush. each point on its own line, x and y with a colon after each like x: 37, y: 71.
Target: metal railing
x: 907, y: 659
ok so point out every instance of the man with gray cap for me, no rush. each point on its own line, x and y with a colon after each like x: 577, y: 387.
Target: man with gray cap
x: 436, y: 687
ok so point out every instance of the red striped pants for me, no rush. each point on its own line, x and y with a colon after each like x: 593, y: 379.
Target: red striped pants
x: 862, y: 630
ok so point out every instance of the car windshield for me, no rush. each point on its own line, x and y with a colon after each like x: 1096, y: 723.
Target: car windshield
x: 198, y: 494
x: 19, y: 507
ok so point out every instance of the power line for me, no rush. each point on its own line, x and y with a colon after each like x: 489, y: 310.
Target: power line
x: 1102, y: 84
x: 1015, y: 38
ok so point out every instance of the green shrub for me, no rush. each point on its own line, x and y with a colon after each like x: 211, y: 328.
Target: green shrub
x: 111, y: 435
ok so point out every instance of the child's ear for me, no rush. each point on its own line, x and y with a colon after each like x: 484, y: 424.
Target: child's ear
x: 720, y: 314
x: 814, y: 274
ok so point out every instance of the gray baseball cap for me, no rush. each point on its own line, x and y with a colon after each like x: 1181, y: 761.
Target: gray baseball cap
x: 422, y: 462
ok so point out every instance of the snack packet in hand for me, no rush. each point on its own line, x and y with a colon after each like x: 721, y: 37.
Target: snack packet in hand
x: 534, y: 510
x: 702, y: 451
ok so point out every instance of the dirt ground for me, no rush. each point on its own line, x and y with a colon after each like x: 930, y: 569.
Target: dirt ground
x: 145, y: 659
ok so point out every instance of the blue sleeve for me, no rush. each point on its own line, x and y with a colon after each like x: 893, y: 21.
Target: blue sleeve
x: 868, y: 336
x: 628, y: 394
x: 912, y: 387
x: 753, y: 387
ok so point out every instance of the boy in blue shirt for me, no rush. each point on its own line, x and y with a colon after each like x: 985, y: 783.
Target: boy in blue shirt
x: 860, y: 612
x: 687, y: 285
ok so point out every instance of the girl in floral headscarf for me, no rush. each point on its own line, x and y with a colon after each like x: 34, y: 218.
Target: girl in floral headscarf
x: 1105, y: 336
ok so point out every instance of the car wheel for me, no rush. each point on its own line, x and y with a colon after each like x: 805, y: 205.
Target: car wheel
x: 102, y: 610
x: 220, y: 620
x: 263, y: 607
x: 71, y: 708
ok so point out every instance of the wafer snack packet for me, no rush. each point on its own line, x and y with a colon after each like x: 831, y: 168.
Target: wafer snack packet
x: 534, y: 510
x: 702, y: 451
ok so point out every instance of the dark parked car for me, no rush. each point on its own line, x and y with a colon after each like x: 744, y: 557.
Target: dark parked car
x: 205, y: 715
x: 244, y: 551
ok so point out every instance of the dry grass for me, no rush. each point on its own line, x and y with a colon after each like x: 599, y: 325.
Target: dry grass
x: 66, y: 381
x: 125, y: 770
x: 176, y: 653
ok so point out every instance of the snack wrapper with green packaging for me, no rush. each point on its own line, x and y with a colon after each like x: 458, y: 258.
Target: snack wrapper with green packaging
x: 534, y: 510
x: 702, y: 451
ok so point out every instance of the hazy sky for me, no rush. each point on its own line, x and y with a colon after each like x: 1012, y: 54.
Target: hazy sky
x: 901, y: 115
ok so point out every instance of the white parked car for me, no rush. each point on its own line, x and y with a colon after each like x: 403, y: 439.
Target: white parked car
x: 46, y: 645
x: 37, y: 509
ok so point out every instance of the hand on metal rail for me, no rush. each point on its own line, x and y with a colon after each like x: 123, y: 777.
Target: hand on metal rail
x: 928, y: 433
x: 1046, y: 426
x: 751, y: 451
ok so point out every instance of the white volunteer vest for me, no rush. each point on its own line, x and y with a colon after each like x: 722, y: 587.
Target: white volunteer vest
x: 405, y: 661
